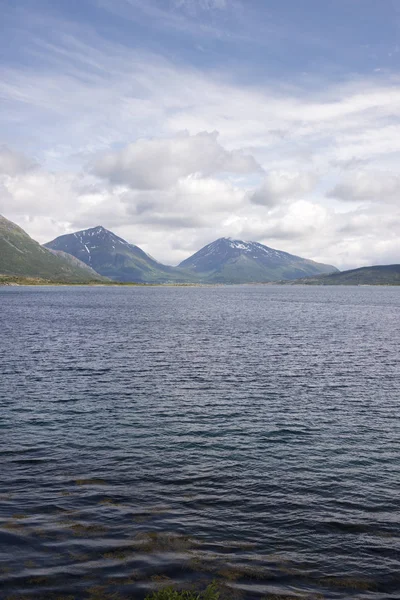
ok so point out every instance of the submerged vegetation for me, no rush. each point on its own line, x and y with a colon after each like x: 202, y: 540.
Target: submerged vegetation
x: 169, y: 593
x: 231, y: 566
x: 200, y: 565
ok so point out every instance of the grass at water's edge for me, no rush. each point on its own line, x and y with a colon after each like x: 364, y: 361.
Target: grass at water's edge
x: 16, y: 280
x: 13, y: 280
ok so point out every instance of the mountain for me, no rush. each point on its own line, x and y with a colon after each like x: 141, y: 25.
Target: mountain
x: 115, y: 258
x: 21, y: 256
x: 234, y: 261
x: 376, y: 275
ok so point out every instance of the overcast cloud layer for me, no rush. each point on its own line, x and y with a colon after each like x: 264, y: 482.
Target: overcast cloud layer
x: 175, y: 122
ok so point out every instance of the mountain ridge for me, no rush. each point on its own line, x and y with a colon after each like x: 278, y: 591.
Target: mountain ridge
x: 371, y: 275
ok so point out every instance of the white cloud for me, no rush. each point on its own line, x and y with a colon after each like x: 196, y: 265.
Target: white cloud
x: 160, y: 163
x: 192, y: 202
x: 95, y: 94
x: 39, y: 193
x: 367, y: 185
x: 283, y: 186
x: 170, y: 224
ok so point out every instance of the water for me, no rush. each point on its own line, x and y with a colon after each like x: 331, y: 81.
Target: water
x: 245, y: 434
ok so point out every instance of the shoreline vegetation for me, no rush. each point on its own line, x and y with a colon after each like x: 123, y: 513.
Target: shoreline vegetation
x: 10, y: 280
x: 16, y: 281
x: 171, y: 593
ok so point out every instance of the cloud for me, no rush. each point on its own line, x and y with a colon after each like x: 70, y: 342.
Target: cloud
x: 40, y: 193
x: 279, y: 186
x: 92, y: 94
x: 172, y: 223
x: 13, y: 163
x: 193, y: 202
x: 302, y: 219
x: 160, y: 163
x: 300, y: 222
x: 367, y: 186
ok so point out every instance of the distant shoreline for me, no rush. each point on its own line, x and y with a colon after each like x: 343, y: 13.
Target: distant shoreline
x: 10, y: 281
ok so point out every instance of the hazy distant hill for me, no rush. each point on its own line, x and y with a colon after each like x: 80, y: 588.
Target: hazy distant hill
x: 376, y: 275
x: 21, y: 256
x: 234, y: 261
x: 115, y: 258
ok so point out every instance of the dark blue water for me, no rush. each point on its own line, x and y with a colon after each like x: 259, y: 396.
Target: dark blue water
x: 247, y: 434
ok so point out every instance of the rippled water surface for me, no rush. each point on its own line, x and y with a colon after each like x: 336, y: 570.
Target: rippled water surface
x: 248, y: 435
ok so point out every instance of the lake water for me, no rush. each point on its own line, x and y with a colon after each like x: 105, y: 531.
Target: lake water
x: 244, y: 434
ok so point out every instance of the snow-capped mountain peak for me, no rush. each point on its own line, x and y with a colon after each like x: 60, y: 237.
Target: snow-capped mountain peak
x: 108, y: 253
x: 228, y: 260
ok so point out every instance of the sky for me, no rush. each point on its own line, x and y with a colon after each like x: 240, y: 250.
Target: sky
x: 176, y: 122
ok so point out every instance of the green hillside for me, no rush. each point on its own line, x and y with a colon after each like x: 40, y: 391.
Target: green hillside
x: 21, y: 256
x: 376, y: 275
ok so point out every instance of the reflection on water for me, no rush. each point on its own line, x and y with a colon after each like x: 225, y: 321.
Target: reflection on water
x: 178, y: 436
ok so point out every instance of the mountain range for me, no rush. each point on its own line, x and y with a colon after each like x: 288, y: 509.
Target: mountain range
x: 98, y: 255
x: 223, y: 261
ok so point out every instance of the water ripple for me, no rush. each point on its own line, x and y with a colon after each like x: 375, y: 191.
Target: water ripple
x: 247, y: 434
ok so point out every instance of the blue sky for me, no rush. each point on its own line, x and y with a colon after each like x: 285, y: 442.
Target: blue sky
x: 173, y: 122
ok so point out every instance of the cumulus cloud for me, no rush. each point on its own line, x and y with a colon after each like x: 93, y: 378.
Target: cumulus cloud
x: 192, y: 202
x: 302, y: 219
x: 40, y: 193
x: 160, y: 163
x: 172, y: 223
x: 283, y: 185
x: 367, y: 185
